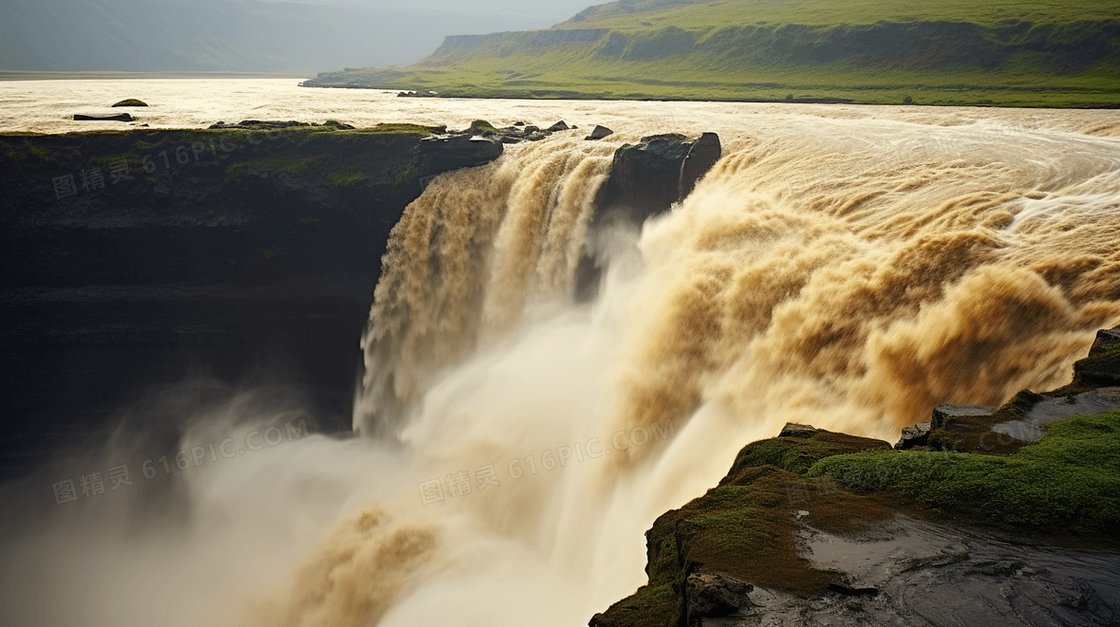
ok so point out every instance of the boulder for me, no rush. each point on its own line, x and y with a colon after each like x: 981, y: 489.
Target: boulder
x: 645, y: 180
x: 945, y: 414
x: 714, y: 594
x: 918, y: 435
x: 1106, y: 340
x: 599, y: 132
x: 1102, y: 366
x: 648, y: 177
x: 795, y: 430
x: 559, y: 126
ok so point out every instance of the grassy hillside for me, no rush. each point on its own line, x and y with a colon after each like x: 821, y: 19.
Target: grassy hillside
x: 954, y: 52
x: 627, y: 15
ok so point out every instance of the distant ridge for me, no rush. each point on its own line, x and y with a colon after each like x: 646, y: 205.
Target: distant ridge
x: 954, y: 52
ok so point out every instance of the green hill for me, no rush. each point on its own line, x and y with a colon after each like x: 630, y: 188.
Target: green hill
x: 953, y: 52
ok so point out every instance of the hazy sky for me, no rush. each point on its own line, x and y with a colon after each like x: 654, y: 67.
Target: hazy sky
x: 549, y: 12
x: 250, y: 35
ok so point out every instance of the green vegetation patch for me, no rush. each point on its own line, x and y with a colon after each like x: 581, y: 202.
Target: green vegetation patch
x: 635, y: 15
x: 293, y: 165
x: 347, y: 176
x: 797, y: 455
x: 131, y: 102
x: 1068, y: 480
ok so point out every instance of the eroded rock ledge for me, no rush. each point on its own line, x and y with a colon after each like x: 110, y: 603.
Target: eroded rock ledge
x: 811, y: 523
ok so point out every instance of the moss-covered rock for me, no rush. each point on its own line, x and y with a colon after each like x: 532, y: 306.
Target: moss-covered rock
x: 745, y: 528
x: 1067, y: 481
x: 131, y: 102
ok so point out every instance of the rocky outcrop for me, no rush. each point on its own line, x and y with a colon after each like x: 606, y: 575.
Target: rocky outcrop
x: 705, y: 559
x: 1002, y: 430
x: 1102, y: 365
x: 795, y: 430
x: 798, y: 532
x: 648, y: 177
x: 712, y: 595
x: 267, y: 125
x: 645, y: 180
x: 947, y: 415
x: 599, y: 132
x: 918, y: 435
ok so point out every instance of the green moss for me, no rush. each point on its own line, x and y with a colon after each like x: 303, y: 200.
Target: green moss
x: 798, y: 454
x: 293, y: 165
x: 308, y: 220
x: 347, y: 176
x: 404, y: 177
x: 482, y: 126
x: 650, y: 606
x: 1068, y: 480
x: 131, y: 102
x: 38, y: 152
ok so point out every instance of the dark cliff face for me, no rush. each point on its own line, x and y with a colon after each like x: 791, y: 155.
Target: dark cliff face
x: 143, y: 258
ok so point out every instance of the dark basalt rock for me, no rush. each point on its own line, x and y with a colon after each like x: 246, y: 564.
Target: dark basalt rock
x: 559, y: 126
x: 648, y: 177
x: 116, y: 117
x: 714, y: 594
x: 1102, y: 365
x: 645, y: 180
x: 237, y: 253
x: 945, y: 414
x: 918, y: 435
x: 261, y: 125
x: 599, y: 132
x: 794, y: 430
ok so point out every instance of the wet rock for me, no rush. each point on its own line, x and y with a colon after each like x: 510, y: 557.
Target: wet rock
x: 599, y: 132
x: 918, y: 435
x: 1049, y: 410
x: 1102, y: 366
x: 703, y: 154
x: 947, y: 415
x: 648, y: 177
x: 559, y: 126
x: 714, y: 594
x: 118, y: 117
x: 1106, y: 341
x: 795, y: 430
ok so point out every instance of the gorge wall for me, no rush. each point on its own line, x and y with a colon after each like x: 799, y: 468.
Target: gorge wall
x: 246, y: 255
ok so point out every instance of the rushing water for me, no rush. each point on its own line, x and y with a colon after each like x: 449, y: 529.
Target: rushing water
x: 847, y: 267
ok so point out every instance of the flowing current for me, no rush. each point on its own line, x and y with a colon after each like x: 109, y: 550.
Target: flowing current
x: 847, y: 273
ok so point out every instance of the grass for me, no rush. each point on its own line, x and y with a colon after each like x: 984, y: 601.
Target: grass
x: 828, y: 13
x: 812, y: 49
x: 1068, y: 480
